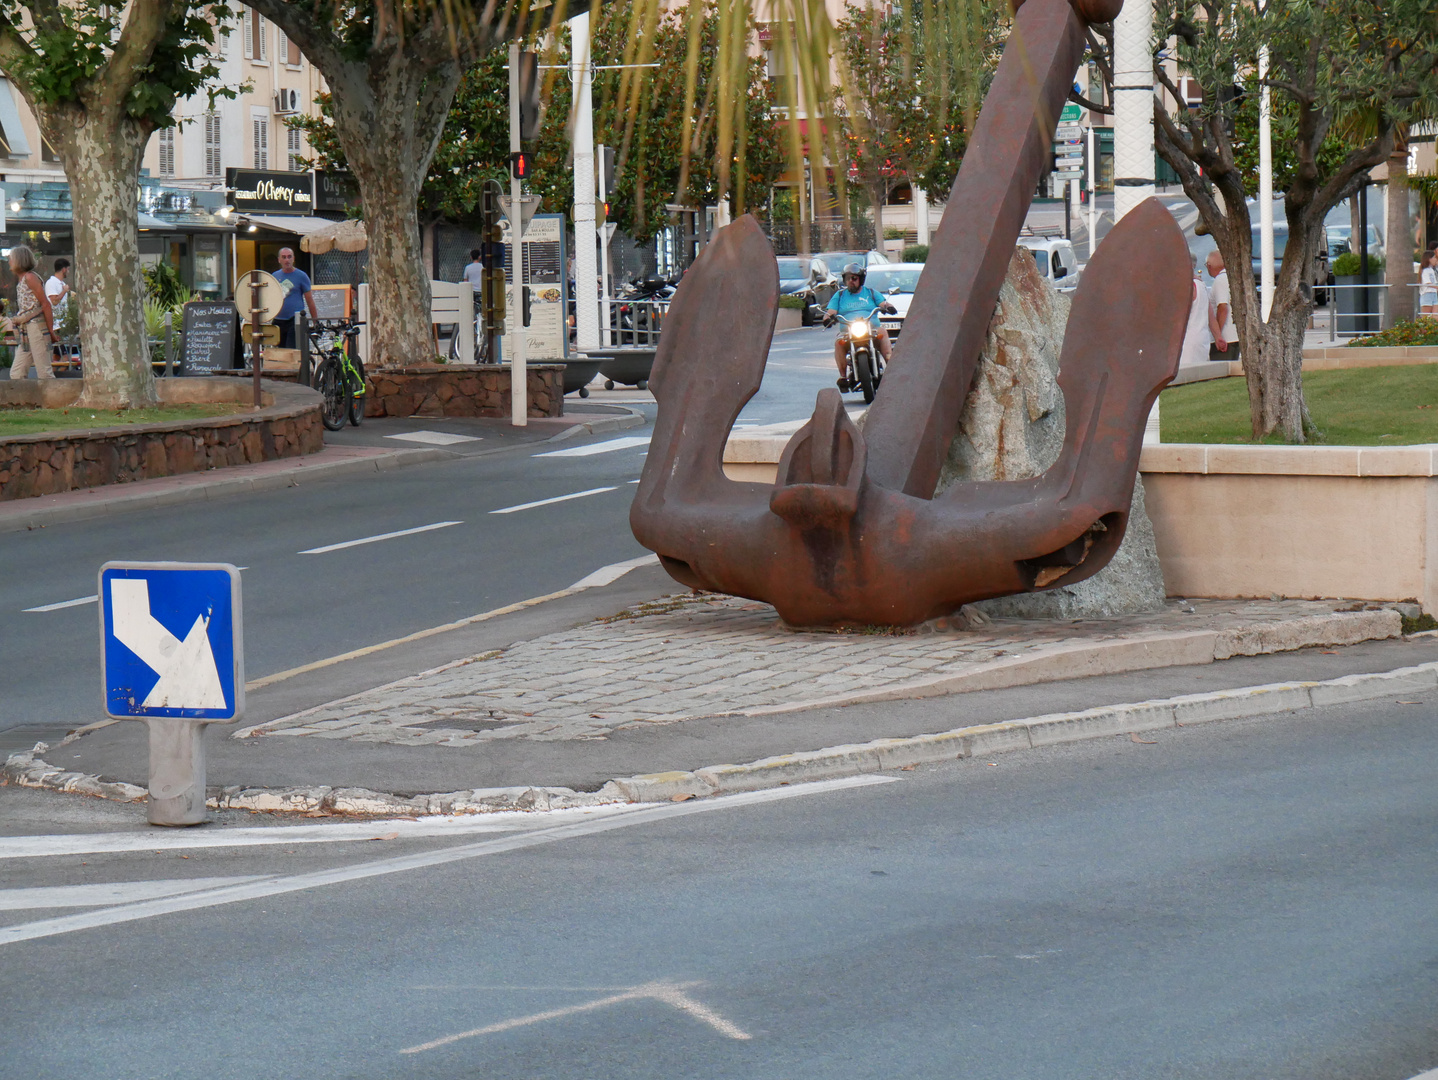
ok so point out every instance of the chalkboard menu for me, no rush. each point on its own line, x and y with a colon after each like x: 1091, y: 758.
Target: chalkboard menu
x: 332, y: 301
x: 211, y: 341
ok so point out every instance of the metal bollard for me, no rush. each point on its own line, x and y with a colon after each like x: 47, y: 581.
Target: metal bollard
x: 302, y: 337
x: 177, y: 771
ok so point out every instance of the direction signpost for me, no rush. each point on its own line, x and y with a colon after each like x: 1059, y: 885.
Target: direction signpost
x: 172, y: 655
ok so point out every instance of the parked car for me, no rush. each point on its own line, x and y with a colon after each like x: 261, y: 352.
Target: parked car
x: 808, y: 278
x: 1318, y: 276
x: 1340, y: 239
x: 896, y: 282
x: 1055, y: 258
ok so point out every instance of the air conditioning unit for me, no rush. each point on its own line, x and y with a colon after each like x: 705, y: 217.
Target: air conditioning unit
x: 287, y: 101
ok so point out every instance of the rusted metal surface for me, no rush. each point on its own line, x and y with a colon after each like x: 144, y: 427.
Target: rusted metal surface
x: 850, y: 532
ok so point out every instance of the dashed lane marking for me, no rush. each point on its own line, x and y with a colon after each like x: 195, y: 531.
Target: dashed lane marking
x: 378, y: 538
x: 64, y: 604
x: 556, y: 499
x: 605, y: 447
x: 596, y: 822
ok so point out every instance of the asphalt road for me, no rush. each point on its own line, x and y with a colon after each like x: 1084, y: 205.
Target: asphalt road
x: 302, y: 605
x: 1248, y: 900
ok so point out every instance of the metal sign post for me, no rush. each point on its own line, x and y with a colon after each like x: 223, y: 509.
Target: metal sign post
x: 172, y: 655
x: 518, y: 371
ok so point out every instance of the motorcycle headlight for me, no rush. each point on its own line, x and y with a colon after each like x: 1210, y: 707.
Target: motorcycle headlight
x: 859, y: 329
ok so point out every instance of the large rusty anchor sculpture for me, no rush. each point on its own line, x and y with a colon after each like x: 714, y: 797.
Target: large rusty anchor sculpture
x: 850, y: 532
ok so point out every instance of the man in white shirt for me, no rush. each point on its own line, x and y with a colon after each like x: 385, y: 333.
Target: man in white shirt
x: 57, y: 288
x: 1225, y: 334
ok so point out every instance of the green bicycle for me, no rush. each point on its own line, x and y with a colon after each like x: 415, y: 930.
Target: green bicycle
x: 339, y: 373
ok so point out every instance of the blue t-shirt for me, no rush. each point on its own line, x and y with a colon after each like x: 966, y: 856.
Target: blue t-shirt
x: 295, y: 283
x: 855, y: 305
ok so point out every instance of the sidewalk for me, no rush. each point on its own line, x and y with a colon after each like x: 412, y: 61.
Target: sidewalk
x: 349, y: 452
x: 682, y: 685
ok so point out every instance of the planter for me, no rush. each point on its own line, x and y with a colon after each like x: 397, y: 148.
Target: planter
x: 460, y: 390
x: 1351, y: 303
x: 1307, y: 522
x: 578, y: 374
x: 286, y: 425
x: 628, y: 366
x: 789, y: 319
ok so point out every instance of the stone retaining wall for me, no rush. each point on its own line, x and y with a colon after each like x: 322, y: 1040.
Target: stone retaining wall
x: 461, y: 390
x: 286, y: 425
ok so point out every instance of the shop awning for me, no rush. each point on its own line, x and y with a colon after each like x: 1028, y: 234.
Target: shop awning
x: 300, y: 225
x: 14, y: 131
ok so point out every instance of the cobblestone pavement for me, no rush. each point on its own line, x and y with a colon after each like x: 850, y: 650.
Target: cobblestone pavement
x: 693, y: 656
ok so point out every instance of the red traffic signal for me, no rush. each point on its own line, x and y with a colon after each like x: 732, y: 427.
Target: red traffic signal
x: 521, y: 163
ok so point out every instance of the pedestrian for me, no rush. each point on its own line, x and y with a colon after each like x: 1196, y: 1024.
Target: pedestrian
x: 474, y: 274
x: 1220, y: 303
x: 296, y: 284
x: 57, y: 288
x: 1428, y: 278
x: 32, y: 305
x: 1198, y: 335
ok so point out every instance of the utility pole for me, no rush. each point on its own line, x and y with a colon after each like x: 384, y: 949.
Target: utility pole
x: 518, y: 371
x: 1265, y: 185
x: 606, y: 230
x: 586, y: 299
x: 1132, y: 107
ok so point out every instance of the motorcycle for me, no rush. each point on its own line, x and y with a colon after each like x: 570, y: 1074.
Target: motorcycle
x: 866, y: 363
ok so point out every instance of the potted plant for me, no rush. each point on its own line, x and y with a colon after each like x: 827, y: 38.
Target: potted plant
x: 1352, y: 303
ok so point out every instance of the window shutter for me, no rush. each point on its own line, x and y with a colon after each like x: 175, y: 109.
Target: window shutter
x: 294, y: 59
x: 296, y: 150
x: 249, y: 21
x: 212, y: 144
x: 167, y: 151
x: 260, y: 35
x: 262, y: 142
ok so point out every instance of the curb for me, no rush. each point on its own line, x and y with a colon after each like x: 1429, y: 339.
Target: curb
x: 20, y: 519
x: 30, y: 770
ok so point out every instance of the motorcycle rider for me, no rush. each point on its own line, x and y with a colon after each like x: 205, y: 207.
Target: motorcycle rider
x: 855, y: 301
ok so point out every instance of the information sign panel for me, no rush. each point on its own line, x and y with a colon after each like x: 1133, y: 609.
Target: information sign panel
x: 209, y: 341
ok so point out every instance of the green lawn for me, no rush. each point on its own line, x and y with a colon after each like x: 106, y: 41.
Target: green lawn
x: 19, y: 421
x: 1358, y: 407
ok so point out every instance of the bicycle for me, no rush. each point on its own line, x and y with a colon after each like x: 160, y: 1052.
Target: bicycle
x: 338, y: 374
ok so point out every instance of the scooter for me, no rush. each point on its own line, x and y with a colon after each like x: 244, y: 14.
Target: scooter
x: 866, y: 363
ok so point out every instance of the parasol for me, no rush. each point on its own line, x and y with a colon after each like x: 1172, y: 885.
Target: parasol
x: 348, y: 235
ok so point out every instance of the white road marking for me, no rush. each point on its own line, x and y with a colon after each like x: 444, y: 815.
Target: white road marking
x: 669, y: 993
x: 381, y: 536
x: 605, y: 447
x: 30, y: 847
x: 556, y: 499
x: 608, y: 575
x: 121, y: 892
x: 255, y: 890
x: 434, y: 438
x: 1431, y: 1074
x: 65, y: 604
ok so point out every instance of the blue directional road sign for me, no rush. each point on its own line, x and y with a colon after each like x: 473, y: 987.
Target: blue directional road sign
x: 171, y: 641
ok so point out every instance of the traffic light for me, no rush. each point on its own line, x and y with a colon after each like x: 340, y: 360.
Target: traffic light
x: 605, y: 161
x: 529, y: 87
x: 521, y: 163
x: 601, y: 212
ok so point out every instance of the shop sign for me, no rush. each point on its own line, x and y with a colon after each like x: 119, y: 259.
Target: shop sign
x: 254, y: 191
x: 334, y: 191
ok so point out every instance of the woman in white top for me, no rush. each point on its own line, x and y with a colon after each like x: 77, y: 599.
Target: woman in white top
x: 1198, y: 336
x: 1428, y: 294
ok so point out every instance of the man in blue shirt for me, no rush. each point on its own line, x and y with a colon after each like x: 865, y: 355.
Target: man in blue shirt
x: 296, y: 284
x: 855, y: 301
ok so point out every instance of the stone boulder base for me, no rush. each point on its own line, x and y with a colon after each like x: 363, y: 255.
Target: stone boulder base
x: 1012, y: 428
x: 461, y: 390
